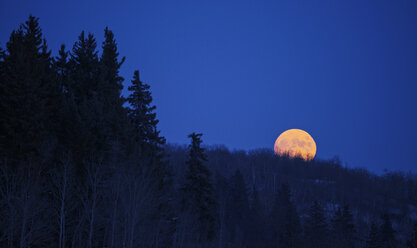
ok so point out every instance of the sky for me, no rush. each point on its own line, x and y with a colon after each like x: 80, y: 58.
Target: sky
x: 242, y: 72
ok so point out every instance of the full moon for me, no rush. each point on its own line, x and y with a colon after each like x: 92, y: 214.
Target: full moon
x: 296, y: 143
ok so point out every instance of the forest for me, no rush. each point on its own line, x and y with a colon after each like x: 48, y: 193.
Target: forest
x: 82, y: 165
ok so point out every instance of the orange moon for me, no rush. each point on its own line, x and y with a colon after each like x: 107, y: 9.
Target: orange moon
x: 296, y: 143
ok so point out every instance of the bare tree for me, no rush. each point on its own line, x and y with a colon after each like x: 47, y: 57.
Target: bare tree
x: 24, y: 209
x: 136, y: 201
x: 62, y: 183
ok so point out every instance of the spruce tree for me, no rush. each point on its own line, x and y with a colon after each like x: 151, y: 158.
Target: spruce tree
x: 285, y: 223
x: 343, y: 229
x: 412, y: 241
x: 238, y: 211
x: 222, y: 198
x: 117, y: 123
x: 62, y: 68
x: 197, y: 192
x: 28, y: 94
x: 2, y: 67
x: 337, y: 227
x: 150, y: 148
x: 256, y: 206
x: 316, y: 229
x: 87, y: 134
x: 348, y: 226
x: 256, y: 235
x: 146, y: 134
x: 84, y: 64
x: 84, y: 132
x: 143, y: 116
x: 110, y: 69
x: 373, y: 240
x: 387, y: 233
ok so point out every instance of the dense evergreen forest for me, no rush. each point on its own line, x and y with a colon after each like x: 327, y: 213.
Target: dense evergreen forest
x: 83, y: 166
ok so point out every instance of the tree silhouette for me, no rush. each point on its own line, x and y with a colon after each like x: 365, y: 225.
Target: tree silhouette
x: 373, y: 240
x: 316, y: 229
x: 343, y: 229
x: 197, y: 191
x: 412, y: 241
x: 387, y: 232
x: 28, y: 93
x: 151, y: 154
x: 285, y: 223
x: 238, y: 209
x: 256, y: 234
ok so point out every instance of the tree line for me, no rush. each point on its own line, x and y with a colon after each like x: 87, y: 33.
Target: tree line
x: 83, y: 166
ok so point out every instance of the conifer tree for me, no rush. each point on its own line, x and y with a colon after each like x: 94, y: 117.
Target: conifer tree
x: 2, y: 55
x: 387, y: 233
x: 89, y: 137
x: 84, y: 133
x: 337, y: 227
x: 256, y: 235
x: 146, y: 134
x: 238, y: 209
x: 412, y: 241
x: 117, y: 123
x: 373, y: 240
x: 110, y: 69
x: 285, y: 223
x: 28, y: 93
x: 343, y: 229
x: 150, y: 143
x: 69, y: 131
x: 62, y: 68
x: 197, y: 191
x: 222, y: 197
x: 143, y: 117
x: 84, y: 64
x: 316, y: 229
x: 94, y: 94
x: 256, y: 206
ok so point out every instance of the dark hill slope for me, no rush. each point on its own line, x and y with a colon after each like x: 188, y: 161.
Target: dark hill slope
x: 369, y: 195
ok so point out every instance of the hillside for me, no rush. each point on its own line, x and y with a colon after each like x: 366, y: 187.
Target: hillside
x: 333, y: 185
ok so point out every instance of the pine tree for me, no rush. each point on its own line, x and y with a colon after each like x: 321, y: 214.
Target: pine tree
x: 412, y: 241
x: 337, y: 227
x: 256, y: 235
x: 197, y: 191
x: 2, y: 67
x: 84, y: 73
x: 28, y: 94
x: 238, y: 209
x: 387, y: 233
x: 146, y: 134
x: 348, y: 226
x: 343, y: 229
x: 68, y: 119
x: 143, y: 117
x: 373, y: 240
x: 285, y: 223
x: 87, y: 134
x: 110, y: 69
x: 316, y: 229
x: 150, y: 143
x: 99, y: 117
x: 62, y: 68
x: 117, y: 123
x: 221, y: 195
x: 256, y: 206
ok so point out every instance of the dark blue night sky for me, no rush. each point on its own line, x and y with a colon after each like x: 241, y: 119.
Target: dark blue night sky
x: 242, y: 72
